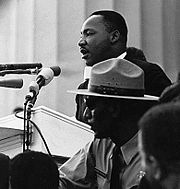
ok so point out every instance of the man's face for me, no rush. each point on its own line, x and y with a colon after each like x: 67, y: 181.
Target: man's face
x: 94, y: 43
x: 105, y: 116
x: 144, y: 162
x: 99, y: 116
x: 148, y: 165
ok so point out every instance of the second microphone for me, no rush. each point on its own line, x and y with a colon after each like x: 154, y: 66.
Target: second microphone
x: 43, y: 78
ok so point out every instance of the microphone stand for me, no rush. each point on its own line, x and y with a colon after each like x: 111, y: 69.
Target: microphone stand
x: 27, y: 138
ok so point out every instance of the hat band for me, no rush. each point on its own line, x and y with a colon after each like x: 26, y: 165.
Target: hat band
x: 116, y: 91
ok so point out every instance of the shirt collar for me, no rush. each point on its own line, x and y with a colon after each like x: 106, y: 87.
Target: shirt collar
x: 122, y: 56
x: 87, y: 69
x: 87, y: 72
x: 130, y: 149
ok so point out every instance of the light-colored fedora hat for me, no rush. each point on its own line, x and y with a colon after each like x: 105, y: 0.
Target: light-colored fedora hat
x: 116, y: 78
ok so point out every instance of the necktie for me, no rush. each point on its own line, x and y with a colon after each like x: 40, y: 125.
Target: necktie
x: 118, y: 164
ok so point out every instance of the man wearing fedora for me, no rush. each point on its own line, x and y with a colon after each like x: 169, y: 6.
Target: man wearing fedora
x: 115, y: 101
x: 104, y: 36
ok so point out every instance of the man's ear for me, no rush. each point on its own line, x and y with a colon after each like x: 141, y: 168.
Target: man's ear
x: 115, y: 35
x: 155, y: 167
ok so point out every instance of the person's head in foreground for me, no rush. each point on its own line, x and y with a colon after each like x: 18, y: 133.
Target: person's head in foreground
x: 4, y: 171
x: 115, y: 99
x: 171, y: 93
x: 159, y: 143
x: 34, y: 170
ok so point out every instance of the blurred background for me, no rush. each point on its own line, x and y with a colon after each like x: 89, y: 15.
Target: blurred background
x: 47, y: 31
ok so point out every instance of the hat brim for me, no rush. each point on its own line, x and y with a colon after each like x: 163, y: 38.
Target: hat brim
x: 86, y: 92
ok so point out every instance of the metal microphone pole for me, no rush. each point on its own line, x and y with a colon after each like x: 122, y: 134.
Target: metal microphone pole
x: 27, y: 137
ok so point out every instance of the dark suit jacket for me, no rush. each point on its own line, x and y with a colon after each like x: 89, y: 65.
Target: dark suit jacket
x: 155, y: 79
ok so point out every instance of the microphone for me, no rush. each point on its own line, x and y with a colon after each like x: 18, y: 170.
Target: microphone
x: 44, y: 78
x: 20, y: 66
x: 20, y: 71
x: 11, y: 83
x: 47, y: 74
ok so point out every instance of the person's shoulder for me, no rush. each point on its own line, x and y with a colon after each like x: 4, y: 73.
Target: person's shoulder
x: 156, y: 80
x: 146, y: 65
x: 135, y: 53
x: 151, y: 68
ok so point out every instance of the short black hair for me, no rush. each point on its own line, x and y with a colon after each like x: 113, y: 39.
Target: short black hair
x: 171, y: 93
x: 34, y: 170
x: 113, y: 21
x: 160, y: 128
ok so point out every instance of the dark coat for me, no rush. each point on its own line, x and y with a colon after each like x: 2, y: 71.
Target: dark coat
x: 144, y: 184
x: 155, y: 79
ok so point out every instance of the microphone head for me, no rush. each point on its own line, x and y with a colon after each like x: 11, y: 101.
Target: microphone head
x: 34, y: 87
x: 56, y: 70
x: 11, y: 83
x: 47, y: 74
x: 20, y: 66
